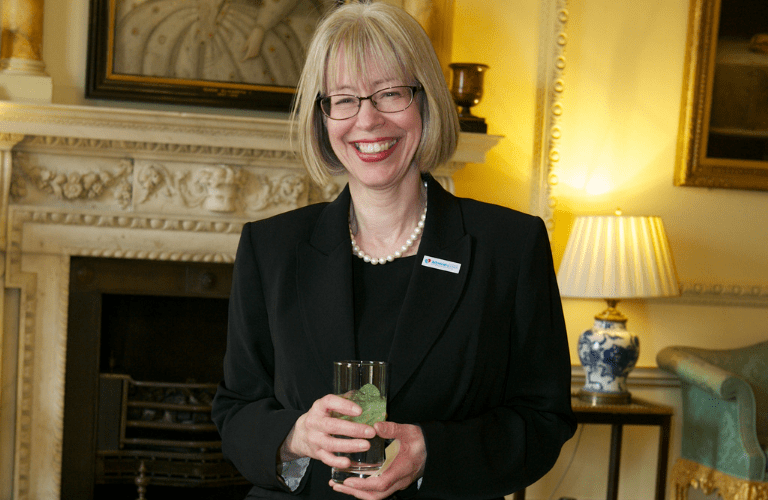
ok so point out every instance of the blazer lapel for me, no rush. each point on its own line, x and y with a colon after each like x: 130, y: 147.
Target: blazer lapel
x: 432, y: 293
x: 324, y: 284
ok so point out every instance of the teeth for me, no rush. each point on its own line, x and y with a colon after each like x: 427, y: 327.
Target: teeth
x: 374, y: 147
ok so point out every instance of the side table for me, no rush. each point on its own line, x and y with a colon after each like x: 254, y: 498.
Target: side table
x: 638, y: 412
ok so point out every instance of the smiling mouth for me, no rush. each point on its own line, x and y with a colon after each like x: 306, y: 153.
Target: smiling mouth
x: 374, y: 147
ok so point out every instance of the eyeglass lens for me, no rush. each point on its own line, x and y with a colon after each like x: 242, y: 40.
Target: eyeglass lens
x: 389, y: 100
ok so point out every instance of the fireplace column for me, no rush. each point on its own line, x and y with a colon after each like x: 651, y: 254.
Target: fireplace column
x: 8, y: 351
x: 22, y: 70
x: 7, y: 142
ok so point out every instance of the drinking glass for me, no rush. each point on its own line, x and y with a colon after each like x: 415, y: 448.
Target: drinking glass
x: 365, y: 383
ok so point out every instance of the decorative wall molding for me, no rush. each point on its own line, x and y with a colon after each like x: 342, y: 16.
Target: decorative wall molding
x: 147, y: 177
x: 549, y: 109
x: 71, y: 185
x: 27, y: 343
x: 152, y: 238
x: 143, y: 125
x: 219, y: 188
x: 86, y: 146
x: 716, y: 294
x: 7, y: 141
x: 60, y: 363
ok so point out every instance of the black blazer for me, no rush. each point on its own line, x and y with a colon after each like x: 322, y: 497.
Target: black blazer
x: 479, y: 358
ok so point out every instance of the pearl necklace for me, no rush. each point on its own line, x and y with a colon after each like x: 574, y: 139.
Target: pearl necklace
x: 408, y: 243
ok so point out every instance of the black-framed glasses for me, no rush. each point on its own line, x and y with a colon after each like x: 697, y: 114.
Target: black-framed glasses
x: 389, y: 100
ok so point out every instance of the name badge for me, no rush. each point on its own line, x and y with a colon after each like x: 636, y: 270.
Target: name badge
x: 440, y: 264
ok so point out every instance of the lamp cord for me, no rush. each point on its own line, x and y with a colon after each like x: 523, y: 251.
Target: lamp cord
x: 570, y: 462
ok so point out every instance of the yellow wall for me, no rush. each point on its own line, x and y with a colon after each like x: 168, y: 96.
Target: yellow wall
x: 503, y: 35
x: 623, y: 84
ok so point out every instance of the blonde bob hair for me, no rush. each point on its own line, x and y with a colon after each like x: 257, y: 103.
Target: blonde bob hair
x: 356, y: 36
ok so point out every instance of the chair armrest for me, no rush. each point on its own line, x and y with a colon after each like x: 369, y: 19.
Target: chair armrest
x: 724, y: 385
x: 690, y: 368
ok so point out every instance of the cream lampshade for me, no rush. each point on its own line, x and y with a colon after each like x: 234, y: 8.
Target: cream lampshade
x: 614, y: 257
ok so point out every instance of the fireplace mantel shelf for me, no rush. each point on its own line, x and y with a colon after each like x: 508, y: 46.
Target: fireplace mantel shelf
x: 88, y: 122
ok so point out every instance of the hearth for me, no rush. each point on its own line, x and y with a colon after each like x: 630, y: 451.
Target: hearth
x: 145, y: 345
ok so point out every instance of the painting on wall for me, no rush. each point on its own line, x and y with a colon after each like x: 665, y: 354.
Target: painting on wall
x: 224, y: 53
x: 723, y: 138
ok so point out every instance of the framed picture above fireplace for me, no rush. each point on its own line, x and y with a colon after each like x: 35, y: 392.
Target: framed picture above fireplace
x: 222, y: 53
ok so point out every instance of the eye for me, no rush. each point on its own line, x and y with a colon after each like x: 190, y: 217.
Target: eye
x: 392, y: 94
x: 343, y: 100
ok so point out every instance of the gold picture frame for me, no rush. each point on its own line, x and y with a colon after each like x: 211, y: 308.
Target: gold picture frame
x: 723, y: 132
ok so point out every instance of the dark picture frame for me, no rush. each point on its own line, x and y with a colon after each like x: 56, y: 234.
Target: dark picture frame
x: 723, y: 134
x: 106, y: 80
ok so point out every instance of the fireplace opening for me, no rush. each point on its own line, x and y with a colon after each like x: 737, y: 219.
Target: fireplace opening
x: 145, y: 344
x: 168, y: 339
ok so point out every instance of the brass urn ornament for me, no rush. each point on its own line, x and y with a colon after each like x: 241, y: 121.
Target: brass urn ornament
x: 467, y: 90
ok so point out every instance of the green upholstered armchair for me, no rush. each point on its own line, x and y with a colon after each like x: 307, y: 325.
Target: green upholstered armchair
x: 725, y: 420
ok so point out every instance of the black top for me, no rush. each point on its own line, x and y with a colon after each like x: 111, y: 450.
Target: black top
x: 378, y: 297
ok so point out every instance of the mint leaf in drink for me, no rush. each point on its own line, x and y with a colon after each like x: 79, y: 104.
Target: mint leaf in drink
x: 374, y: 406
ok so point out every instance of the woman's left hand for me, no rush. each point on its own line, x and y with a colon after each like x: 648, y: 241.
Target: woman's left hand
x: 407, y: 467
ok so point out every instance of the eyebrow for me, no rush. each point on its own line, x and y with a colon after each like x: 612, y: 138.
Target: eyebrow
x: 377, y: 85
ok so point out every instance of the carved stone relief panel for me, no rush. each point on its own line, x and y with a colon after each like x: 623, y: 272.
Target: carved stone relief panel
x: 45, y: 179
x: 139, y: 178
x: 175, y: 187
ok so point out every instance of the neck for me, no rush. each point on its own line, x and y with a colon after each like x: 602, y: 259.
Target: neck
x: 384, y: 212
x: 381, y: 223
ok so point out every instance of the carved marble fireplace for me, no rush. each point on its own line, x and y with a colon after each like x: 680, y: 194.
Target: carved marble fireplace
x: 128, y: 184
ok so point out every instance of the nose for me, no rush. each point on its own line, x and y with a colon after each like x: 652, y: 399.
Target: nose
x: 369, y: 116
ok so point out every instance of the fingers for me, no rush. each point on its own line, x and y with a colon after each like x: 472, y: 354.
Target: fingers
x: 372, y: 492
x: 318, y: 434
x: 406, y: 468
x: 322, y: 417
x: 396, y: 478
x: 387, y: 430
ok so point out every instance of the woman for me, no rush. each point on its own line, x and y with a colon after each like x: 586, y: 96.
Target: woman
x: 459, y: 296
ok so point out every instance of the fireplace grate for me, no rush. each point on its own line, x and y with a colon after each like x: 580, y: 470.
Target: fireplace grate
x: 159, y: 433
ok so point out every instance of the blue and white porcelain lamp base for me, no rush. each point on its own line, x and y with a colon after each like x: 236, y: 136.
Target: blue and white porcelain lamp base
x: 608, y: 352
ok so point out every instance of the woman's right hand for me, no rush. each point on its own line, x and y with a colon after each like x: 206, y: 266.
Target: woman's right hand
x: 314, y: 433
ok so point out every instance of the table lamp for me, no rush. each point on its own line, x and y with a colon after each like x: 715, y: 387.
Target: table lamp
x: 614, y: 257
